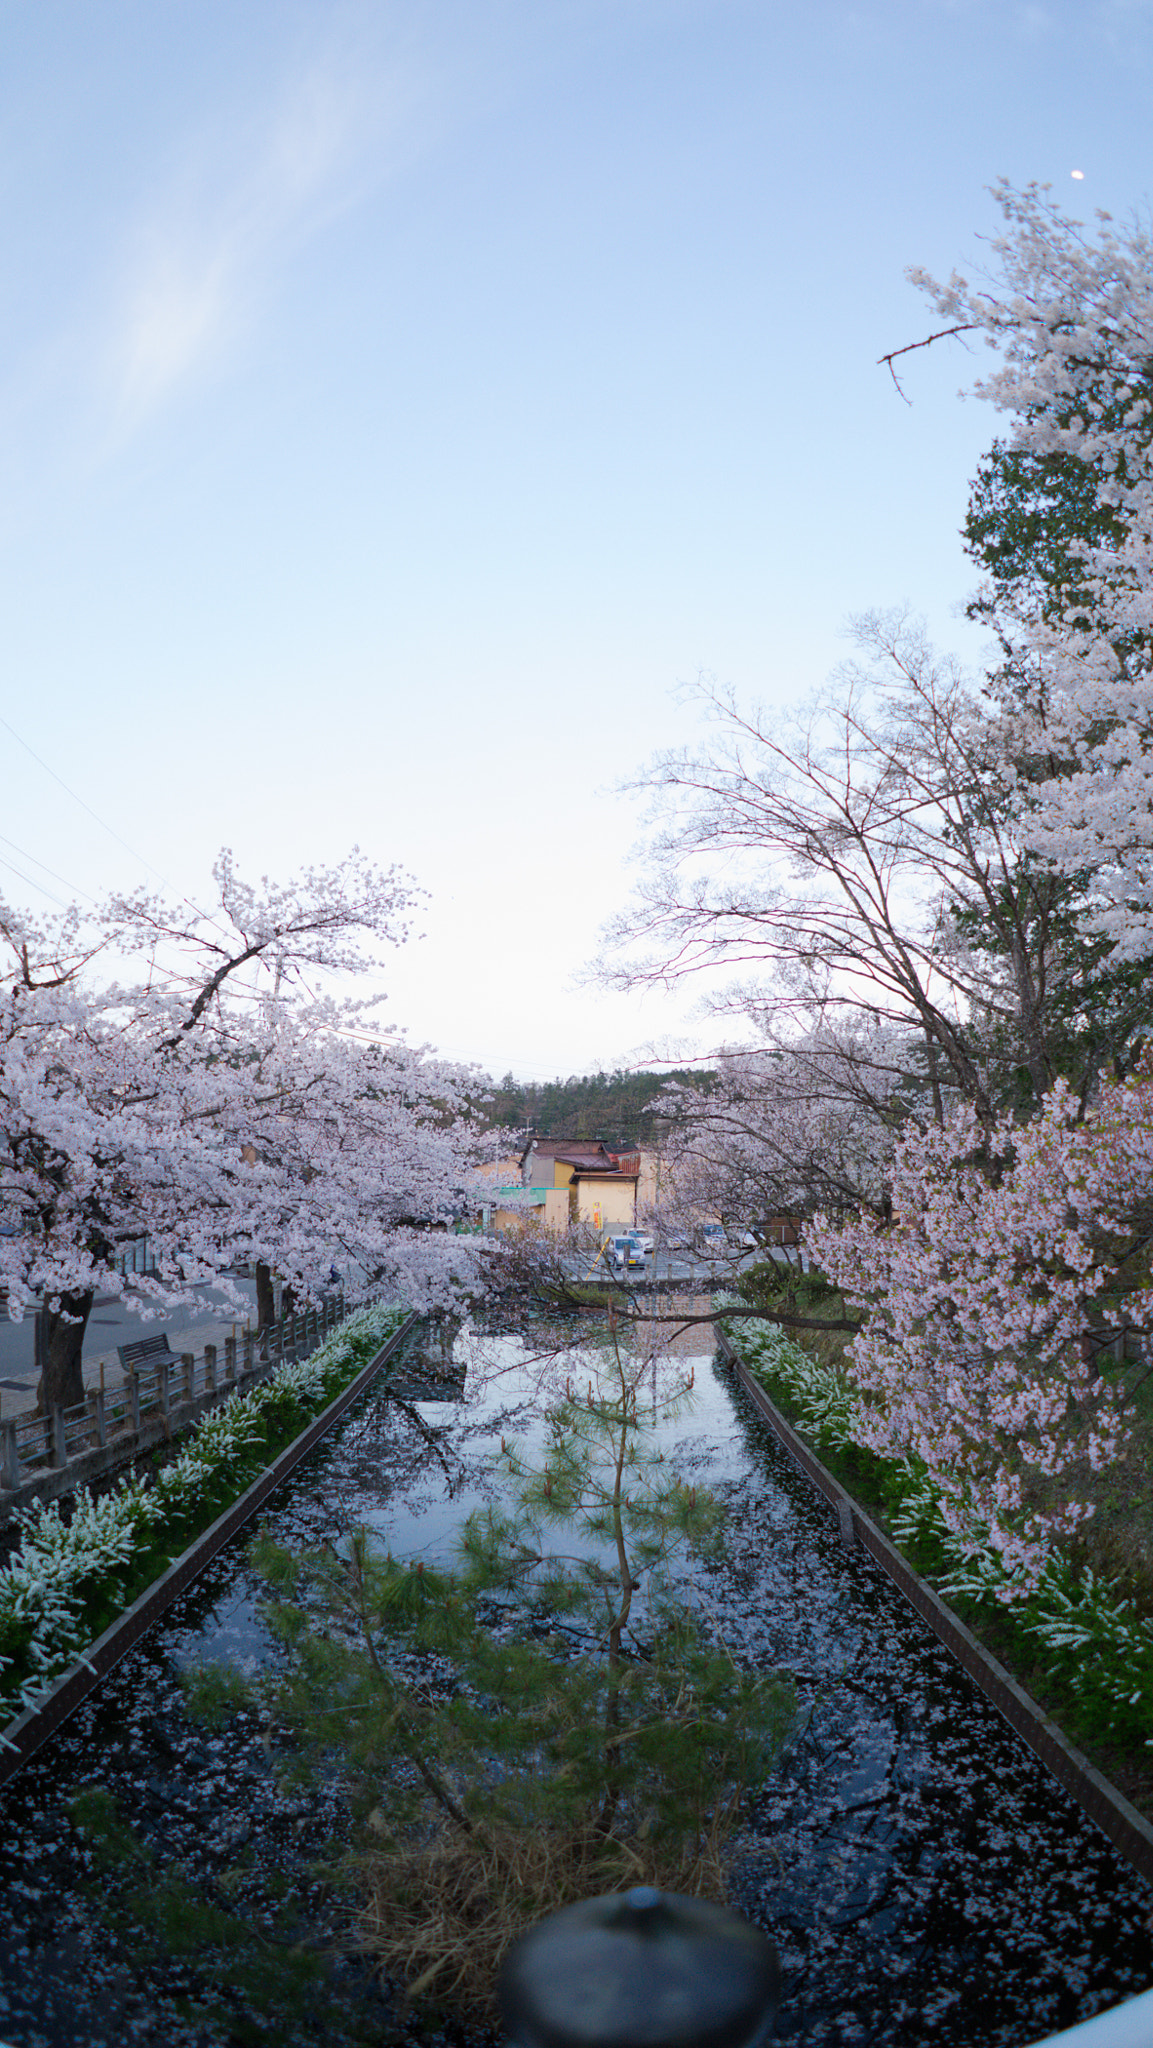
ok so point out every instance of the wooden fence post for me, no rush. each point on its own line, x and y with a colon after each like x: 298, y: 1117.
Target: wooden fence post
x: 188, y: 1361
x: 230, y: 1360
x: 9, y: 1457
x: 210, y: 1368
x: 133, y: 1378
x: 165, y: 1389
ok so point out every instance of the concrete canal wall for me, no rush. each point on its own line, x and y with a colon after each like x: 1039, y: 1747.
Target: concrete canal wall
x: 1127, y: 1829
x: 24, y: 1736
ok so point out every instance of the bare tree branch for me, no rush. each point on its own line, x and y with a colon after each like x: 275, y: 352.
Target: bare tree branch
x: 965, y: 327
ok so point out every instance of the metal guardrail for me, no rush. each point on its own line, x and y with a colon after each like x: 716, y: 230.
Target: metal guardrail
x: 1123, y: 2026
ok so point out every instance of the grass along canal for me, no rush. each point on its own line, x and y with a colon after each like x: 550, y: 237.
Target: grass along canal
x: 175, y: 1876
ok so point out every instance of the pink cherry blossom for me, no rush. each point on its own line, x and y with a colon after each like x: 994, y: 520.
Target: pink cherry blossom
x: 1004, y: 1247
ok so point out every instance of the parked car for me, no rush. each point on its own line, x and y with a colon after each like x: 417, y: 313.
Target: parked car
x: 642, y: 1238
x: 624, y: 1254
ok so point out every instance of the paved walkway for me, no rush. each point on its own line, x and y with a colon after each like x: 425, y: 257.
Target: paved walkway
x: 110, y: 1325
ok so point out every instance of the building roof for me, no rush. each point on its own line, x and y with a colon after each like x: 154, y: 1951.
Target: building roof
x: 589, y: 1151
x: 587, y: 1158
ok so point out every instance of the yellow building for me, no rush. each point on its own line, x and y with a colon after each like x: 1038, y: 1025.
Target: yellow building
x: 579, y: 1183
x: 512, y: 1206
x: 557, y: 1182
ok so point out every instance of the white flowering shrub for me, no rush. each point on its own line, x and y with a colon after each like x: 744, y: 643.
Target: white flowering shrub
x: 1107, y: 1643
x: 1094, y: 1637
x: 825, y: 1401
x: 46, y: 1592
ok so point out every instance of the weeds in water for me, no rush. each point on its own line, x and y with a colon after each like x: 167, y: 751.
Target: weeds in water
x: 555, y: 1718
x: 213, y: 1693
x: 233, y: 1967
x: 439, y: 1916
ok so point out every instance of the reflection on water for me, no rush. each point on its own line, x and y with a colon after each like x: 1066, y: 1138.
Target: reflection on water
x: 923, y: 1877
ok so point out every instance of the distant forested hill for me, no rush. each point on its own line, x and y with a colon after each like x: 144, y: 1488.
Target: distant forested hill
x: 611, y: 1107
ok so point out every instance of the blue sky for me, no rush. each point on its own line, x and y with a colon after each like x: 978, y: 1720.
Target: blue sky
x: 399, y: 401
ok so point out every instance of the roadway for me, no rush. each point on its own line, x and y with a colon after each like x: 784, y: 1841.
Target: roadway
x: 675, y: 1268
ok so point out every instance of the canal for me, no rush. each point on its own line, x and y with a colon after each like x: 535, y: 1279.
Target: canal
x: 923, y: 1878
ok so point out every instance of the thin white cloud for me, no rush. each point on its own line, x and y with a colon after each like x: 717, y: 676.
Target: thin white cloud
x: 181, y: 313
x: 209, y: 249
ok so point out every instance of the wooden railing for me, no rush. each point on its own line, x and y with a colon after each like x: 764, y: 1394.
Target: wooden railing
x: 45, y: 1455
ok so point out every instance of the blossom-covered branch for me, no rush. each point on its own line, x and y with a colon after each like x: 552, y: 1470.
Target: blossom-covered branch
x: 217, y: 1108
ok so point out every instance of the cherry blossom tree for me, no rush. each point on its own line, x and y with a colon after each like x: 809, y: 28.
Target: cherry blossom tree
x: 960, y: 872
x: 1070, y: 316
x: 216, y: 1105
x: 784, y: 1131
x: 365, y: 1152
x: 959, y: 863
x: 863, y: 869
x: 1005, y: 1245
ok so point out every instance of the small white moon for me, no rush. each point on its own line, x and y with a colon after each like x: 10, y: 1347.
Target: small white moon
x: 1076, y: 174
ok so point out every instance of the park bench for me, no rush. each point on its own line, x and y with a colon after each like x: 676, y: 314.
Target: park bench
x: 146, y: 1351
x: 156, y: 1373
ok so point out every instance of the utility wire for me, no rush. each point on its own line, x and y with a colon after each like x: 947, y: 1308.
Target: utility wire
x: 84, y: 806
x: 253, y: 995
x: 29, y: 883
x: 206, y: 915
x: 62, y: 879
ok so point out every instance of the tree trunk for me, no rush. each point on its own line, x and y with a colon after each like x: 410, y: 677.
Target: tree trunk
x: 62, y: 1328
x: 265, y: 1297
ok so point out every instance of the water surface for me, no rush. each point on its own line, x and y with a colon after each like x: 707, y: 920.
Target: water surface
x: 922, y: 1875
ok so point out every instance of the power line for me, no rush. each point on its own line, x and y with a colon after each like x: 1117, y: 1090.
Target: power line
x: 62, y: 879
x: 207, y: 916
x: 27, y: 879
x: 105, y: 827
